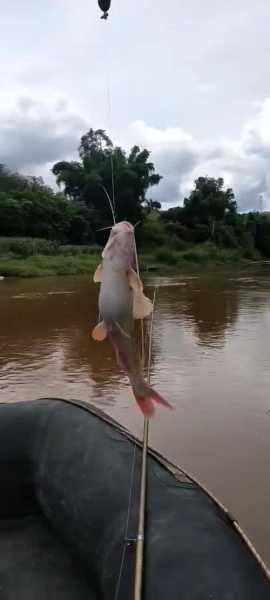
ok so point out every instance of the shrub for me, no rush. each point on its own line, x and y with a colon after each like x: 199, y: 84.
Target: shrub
x: 152, y: 232
x: 24, y: 247
x: 176, y: 243
x: 166, y: 256
x: 196, y: 256
x: 71, y: 250
x: 225, y: 236
x: 200, y: 233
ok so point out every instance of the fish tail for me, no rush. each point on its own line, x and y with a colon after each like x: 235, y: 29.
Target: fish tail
x: 146, y: 401
x: 144, y: 394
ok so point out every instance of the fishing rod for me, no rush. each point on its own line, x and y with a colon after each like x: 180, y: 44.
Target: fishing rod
x: 138, y: 584
x: 139, y: 564
x: 140, y: 542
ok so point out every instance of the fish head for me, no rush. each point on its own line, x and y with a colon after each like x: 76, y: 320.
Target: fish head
x: 123, y: 228
x: 120, y: 246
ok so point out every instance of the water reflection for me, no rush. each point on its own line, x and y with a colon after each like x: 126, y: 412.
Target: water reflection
x: 206, y: 304
x: 39, y: 318
x: 213, y: 309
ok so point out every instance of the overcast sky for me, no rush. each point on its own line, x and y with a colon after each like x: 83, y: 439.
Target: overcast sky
x: 190, y: 80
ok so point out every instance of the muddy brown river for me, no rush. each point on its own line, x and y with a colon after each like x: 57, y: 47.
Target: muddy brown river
x: 211, y: 359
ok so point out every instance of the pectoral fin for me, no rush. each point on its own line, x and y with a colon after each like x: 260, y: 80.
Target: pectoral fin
x: 134, y: 281
x: 98, y: 274
x: 142, y: 306
x: 99, y: 332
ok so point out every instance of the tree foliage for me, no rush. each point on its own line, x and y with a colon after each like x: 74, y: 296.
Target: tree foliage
x: 29, y: 208
x: 10, y: 180
x: 210, y: 214
x: 209, y: 203
x: 88, y: 181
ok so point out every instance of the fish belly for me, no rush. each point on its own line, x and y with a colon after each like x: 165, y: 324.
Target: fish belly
x: 115, y: 299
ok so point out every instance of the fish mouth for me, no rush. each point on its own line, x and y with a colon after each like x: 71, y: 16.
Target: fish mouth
x: 123, y: 227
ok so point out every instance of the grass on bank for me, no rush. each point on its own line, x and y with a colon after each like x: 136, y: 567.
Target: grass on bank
x: 76, y: 260
x: 42, y: 266
x: 32, y: 257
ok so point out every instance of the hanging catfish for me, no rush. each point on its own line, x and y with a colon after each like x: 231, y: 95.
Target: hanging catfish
x: 104, y: 5
x: 121, y: 300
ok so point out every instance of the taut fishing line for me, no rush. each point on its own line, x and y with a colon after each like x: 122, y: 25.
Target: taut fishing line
x: 112, y: 203
x: 108, y: 119
x: 138, y: 584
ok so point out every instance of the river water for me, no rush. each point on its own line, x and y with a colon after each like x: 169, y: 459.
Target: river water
x: 211, y: 359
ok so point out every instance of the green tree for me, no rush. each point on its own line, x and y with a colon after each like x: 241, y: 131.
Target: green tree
x: 260, y: 226
x: 30, y: 208
x: 11, y: 216
x: 106, y: 169
x: 209, y: 203
x: 10, y: 180
x: 152, y: 205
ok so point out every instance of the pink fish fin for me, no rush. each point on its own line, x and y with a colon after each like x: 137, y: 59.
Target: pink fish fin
x: 98, y: 274
x: 146, y: 405
x: 134, y: 281
x: 99, y: 332
x: 121, y: 329
x: 109, y: 246
x: 146, y: 402
x: 142, y: 306
x: 158, y: 398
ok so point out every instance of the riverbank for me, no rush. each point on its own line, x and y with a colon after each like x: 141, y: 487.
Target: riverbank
x: 161, y: 260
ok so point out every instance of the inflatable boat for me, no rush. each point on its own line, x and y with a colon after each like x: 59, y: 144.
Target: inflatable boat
x: 69, y: 514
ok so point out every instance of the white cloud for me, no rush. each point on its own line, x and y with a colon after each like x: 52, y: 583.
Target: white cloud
x: 159, y: 138
x: 34, y: 134
x: 243, y: 163
x: 257, y: 132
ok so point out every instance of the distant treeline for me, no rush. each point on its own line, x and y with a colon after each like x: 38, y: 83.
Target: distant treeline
x: 29, y: 208
x: 210, y: 214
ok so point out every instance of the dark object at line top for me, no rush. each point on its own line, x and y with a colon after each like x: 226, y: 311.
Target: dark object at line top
x: 104, y: 5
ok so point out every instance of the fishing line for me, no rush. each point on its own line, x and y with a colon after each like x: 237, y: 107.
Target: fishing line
x: 110, y: 203
x: 142, y: 505
x: 109, y: 128
x: 151, y: 335
x: 142, y: 325
x: 108, y: 119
